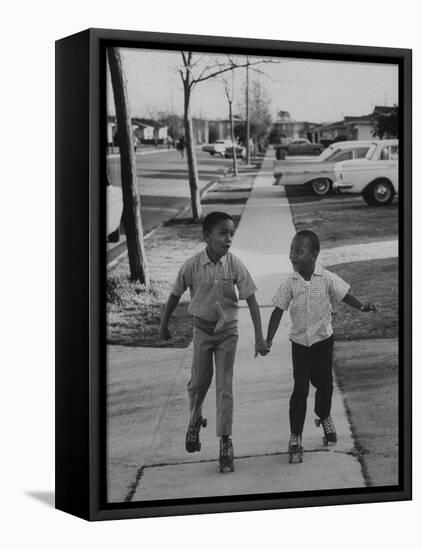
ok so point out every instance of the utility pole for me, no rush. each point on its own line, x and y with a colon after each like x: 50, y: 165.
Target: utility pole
x: 230, y: 101
x: 248, y: 153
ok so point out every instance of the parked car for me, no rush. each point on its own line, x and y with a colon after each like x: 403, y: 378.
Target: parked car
x: 318, y: 174
x: 375, y: 176
x: 240, y: 152
x: 208, y: 148
x: 114, y: 212
x: 298, y: 147
x: 218, y: 147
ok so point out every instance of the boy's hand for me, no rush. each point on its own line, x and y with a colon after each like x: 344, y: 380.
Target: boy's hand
x: 261, y: 347
x: 165, y: 333
x: 368, y: 307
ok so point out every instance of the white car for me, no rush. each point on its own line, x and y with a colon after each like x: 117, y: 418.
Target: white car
x: 375, y: 177
x: 218, y: 147
x: 318, y: 174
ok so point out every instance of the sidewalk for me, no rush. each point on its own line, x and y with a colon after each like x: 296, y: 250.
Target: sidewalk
x: 148, y: 406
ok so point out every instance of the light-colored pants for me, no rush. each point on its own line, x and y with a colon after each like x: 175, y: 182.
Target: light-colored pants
x: 220, y: 346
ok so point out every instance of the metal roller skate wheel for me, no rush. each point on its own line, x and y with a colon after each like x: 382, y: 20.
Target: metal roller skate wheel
x: 295, y: 457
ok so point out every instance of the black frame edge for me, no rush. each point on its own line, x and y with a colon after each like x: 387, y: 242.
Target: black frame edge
x: 278, y: 47
x: 72, y: 418
x: 406, y: 256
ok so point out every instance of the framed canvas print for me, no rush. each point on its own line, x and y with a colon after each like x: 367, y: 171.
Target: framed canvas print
x: 233, y: 279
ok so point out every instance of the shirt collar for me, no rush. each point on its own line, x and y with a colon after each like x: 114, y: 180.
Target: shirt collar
x: 317, y: 272
x: 206, y: 260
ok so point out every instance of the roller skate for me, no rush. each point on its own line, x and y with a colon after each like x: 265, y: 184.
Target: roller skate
x: 226, y: 455
x: 330, y: 436
x: 192, y: 435
x: 295, y: 449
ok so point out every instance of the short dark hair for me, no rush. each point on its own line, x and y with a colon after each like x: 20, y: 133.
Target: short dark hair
x: 313, y: 238
x: 212, y: 219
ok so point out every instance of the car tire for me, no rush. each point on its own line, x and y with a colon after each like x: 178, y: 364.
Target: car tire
x: 317, y: 151
x: 321, y: 186
x: 379, y: 193
x: 212, y: 153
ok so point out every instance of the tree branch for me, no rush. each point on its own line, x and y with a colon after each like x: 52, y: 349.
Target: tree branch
x: 232, y: 67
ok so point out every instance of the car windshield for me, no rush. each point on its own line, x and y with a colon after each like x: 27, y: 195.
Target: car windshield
x: 327, y: 153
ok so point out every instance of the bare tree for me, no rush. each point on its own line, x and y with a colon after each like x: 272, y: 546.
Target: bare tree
x: 229, y: 91
x: 190, y: 79
x: 131, y: 200
x: 386, y: 123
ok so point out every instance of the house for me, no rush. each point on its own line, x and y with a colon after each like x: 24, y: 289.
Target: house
x: 284, y: 127
x: 112, y: 130
x: 351, y: 127
x: 149, y: 131
x: 146, y: 130
x: 333, y: 131
x: 294, y: 129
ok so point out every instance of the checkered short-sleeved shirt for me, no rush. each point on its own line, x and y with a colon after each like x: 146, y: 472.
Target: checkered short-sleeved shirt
x: 310, y: 304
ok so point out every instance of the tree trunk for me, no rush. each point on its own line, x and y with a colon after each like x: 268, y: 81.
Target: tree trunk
x: 236, y: 173
x: 191, y: 157
x: 131, y: 200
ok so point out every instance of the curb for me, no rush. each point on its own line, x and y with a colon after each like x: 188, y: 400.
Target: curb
x: 149, y: 152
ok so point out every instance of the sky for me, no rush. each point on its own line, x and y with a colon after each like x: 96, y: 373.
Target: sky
x: 310, y: 90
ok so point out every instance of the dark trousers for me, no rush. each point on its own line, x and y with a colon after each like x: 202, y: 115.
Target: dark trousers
x: 313, y: 364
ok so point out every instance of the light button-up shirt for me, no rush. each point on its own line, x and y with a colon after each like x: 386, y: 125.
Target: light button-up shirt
x: 228, y: 270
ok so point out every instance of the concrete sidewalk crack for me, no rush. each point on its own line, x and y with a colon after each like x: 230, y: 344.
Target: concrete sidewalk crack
x: 132, y: 488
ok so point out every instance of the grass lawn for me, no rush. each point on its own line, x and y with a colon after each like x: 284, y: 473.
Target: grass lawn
x: 133, y: 310
x: 339, y: 223
x: 374, y: 281
x: 367, y: 374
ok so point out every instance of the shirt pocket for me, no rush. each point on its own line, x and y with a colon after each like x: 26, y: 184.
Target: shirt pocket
x: 229, y: 292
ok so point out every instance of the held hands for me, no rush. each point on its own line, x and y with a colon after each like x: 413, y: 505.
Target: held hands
x: 261, y: 347
x: 368, y: 307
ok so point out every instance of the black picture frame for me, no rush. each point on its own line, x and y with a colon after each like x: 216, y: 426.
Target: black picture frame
x: 80, y: 273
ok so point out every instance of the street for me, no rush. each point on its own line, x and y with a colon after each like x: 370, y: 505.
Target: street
x: 163, y: 185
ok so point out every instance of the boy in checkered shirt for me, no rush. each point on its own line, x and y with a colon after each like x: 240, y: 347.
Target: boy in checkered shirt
x: 308, y: 292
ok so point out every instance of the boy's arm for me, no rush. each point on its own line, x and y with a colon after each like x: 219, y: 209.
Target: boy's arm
x: 260, y: 344
x: 351, y: 301
x: 171, y: 304
x: 275, y: 319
